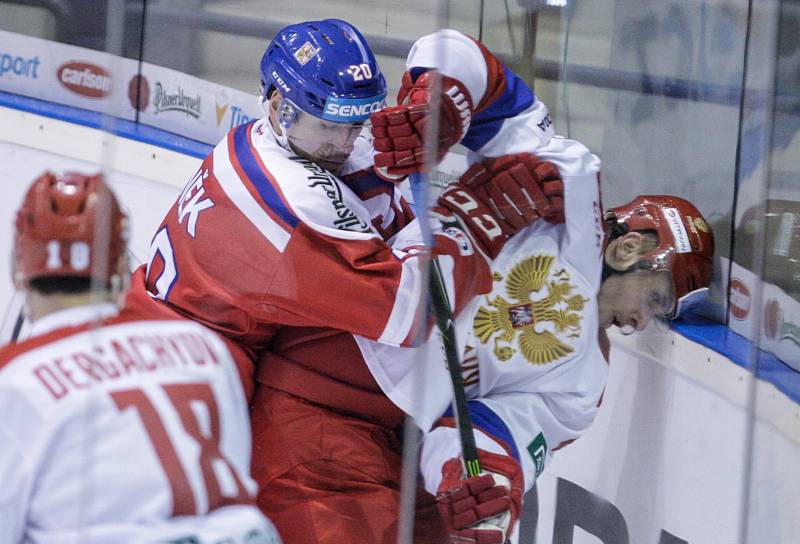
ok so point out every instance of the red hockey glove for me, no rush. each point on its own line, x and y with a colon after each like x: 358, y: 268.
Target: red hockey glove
x: 485, y: 508
x: 520, y: 188
x: 482, y: 223
x: 399, y: 132
x: 498, y: 197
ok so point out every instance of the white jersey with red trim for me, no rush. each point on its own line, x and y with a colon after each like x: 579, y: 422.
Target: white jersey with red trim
x: 508, y: 118
x: 531, y: 358
x: 124, y: 430
x: 261, y: 238
x: 531, y: 361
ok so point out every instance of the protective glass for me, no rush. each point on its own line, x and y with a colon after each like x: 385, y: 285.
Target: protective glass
x: 689, y: 300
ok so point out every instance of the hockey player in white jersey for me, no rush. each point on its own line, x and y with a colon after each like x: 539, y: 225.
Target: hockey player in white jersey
x: 533, y: 362
x: 118, y: 426
x: 533, y: 366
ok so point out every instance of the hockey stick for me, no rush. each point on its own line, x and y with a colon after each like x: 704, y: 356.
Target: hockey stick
x: 14, y: 311
x: 442, y: 311
x: 17, y: 327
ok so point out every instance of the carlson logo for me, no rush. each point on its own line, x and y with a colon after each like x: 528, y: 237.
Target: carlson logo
x: 85, y: 79
x: 740, y: 299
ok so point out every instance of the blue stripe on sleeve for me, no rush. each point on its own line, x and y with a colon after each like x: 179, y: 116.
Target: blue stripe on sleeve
x: 258, y: 177
x: 516, y: 98
x: 490, y: 423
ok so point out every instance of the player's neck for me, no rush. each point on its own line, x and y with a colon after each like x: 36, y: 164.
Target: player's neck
x: 39, y: 305
x: 274, y: 125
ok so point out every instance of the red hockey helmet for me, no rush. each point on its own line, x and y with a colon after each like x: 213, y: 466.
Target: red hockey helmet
x: 69, y: 225
x: 685, y: 243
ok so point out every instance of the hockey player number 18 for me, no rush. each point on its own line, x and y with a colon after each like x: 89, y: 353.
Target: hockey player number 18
x: 222, y: 483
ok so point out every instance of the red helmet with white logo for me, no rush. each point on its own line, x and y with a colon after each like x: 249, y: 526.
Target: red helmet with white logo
x: 685, y: 243
x: 69, y: 225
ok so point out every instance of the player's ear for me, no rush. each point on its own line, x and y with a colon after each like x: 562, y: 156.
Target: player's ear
x: 274, y: 101
x: 623, y: 252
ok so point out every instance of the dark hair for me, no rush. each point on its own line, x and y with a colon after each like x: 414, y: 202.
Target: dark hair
x: 65, y: 285
x: 650, y: 240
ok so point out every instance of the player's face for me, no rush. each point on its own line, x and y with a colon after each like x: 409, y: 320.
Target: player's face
x: 326, y: 143
x: 632, y: 299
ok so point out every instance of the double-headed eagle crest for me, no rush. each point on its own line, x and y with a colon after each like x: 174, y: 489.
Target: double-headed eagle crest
x: 519, y: 319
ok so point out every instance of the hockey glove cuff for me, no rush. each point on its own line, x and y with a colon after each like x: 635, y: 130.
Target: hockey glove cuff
x: 484, y: 508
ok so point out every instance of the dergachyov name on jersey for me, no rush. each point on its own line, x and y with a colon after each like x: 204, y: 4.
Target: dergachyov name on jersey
x: 351, y: 110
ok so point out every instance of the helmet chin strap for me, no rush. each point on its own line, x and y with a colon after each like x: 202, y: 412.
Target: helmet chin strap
x: 283, y: 137
x: 609, y: 270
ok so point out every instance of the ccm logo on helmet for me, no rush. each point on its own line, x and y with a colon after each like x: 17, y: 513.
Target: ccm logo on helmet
x: 281, y: 83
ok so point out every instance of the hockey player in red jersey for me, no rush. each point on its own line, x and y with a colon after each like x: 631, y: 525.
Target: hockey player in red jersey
x: 124, y: 426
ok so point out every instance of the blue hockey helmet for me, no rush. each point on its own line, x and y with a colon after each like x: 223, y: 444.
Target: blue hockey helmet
x: 326, y: 69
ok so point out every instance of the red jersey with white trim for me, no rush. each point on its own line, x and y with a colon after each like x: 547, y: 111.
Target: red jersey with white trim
x: 281, y: 255
x: 261, y: 238
x: 123, y: 428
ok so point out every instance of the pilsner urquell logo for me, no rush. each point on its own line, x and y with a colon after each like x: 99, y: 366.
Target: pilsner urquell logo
x: 177, y: 101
